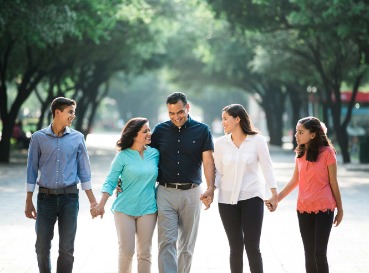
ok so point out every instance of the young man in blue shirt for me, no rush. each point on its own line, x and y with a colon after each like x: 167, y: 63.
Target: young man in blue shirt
x: 57, y: 162
x: 184, y: 145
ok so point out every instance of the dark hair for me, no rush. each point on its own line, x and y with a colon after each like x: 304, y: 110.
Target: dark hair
x: 129, y: 132
x: 320, y: 140
x: 61, y: 103
x: 175, y: 97
x: 237, y: 110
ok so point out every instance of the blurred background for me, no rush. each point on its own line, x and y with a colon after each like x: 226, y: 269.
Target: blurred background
x: 282, y: 59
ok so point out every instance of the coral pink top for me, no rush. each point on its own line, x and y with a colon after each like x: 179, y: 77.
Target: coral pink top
x: 315, y: 193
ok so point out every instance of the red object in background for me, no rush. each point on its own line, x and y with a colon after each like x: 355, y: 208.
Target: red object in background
x: 360, y: 96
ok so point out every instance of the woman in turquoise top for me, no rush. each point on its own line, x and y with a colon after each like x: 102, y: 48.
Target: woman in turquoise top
x: 134, y: 209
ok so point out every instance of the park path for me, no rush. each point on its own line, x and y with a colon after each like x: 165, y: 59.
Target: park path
x: 96, y: 243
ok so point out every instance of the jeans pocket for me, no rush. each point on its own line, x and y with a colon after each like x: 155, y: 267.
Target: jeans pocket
x: 73, y: 196
x: 42, y: 196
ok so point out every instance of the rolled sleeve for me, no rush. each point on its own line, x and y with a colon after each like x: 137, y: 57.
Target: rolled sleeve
x: 32, y: 164
x: 86, y: 185
x: 30, y: 187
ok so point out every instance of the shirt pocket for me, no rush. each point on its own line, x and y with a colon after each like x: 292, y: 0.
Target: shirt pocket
x: 191, y: 145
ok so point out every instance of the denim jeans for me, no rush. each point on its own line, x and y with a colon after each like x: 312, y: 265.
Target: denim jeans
x: 315, y: 229
x: 64, y: 209
x: 243, y: 223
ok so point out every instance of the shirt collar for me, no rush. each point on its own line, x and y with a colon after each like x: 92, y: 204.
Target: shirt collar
x: 50, y: 132
x: 229, y: 137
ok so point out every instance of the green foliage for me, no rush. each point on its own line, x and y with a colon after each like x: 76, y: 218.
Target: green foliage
x: 330, y: 36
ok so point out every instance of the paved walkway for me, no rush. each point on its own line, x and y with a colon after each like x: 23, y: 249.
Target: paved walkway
x: 96, y: 246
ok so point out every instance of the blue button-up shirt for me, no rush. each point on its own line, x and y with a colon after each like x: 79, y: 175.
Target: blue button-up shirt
x: 181, y: 150
x: 58, y: 162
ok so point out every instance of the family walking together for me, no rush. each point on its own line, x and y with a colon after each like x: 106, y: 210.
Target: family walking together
x: 158, y: 177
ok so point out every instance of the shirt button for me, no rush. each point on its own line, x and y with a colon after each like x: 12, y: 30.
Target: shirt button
x: 178, y: 152
x: 179, y: 140
x: 177, y: 173
x: 178, y: 162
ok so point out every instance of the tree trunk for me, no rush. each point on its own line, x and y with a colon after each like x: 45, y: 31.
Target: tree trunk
x: 30, y: 80
x: 275, y: 125
x: 5, y: 140
x: 273, y: 104
x: 342, y: 139
x: 296, y: 102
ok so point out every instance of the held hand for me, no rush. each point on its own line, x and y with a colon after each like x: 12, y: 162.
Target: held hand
x: 97, y: 210
x: 207, y: 198
x: 30, y: 210
x: 272, y: 203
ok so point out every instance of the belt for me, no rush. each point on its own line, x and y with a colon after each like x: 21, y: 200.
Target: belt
x: 68, y: 190
x: 179, y: 186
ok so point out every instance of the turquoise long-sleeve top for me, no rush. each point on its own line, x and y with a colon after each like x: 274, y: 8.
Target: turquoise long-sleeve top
x: 138, y: 177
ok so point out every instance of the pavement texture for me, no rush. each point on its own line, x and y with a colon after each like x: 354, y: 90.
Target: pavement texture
x: 96, y: 243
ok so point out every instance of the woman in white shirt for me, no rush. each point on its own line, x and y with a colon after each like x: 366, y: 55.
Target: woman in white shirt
x: 237, y: 157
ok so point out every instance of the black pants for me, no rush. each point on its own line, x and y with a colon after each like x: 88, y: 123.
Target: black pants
x: 242, y: 224
x: 315, y: 229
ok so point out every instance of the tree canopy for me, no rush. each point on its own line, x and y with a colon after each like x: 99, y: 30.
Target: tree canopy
x: 271, y: 50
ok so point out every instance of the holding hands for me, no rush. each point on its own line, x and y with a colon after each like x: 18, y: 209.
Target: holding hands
x: 272, y: 203
x: 96, y: 210
x: 207, y: 197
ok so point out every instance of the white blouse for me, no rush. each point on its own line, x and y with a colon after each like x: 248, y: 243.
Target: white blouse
x: 237, y: 169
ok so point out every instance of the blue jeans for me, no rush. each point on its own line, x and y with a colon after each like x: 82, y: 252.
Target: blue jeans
x: 243, y: 223
x: 50, y: 208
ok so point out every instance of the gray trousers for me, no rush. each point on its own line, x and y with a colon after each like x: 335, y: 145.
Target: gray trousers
x: 178, y: 222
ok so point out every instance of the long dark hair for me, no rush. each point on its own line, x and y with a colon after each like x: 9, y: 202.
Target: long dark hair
x: 237, y: 110
x: 320, y: 140
x: 129, y: 132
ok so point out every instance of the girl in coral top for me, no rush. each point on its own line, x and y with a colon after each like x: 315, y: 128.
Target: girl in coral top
x: 319, y: 194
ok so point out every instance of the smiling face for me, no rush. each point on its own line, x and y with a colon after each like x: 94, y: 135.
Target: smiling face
x: 178, y: 113
x: 303, y: 135
x: 144, y: 135
x: 66, y: 116
x: 229, y: 123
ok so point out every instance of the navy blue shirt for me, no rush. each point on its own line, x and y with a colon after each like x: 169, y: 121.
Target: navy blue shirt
x: 181, y: 150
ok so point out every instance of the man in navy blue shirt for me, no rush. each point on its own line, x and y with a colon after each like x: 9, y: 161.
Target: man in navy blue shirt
x: 184, y: 145
x: 57, y: 162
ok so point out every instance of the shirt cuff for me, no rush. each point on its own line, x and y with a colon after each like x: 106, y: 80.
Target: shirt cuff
x: 30, y: 187
x: 86, y: 185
